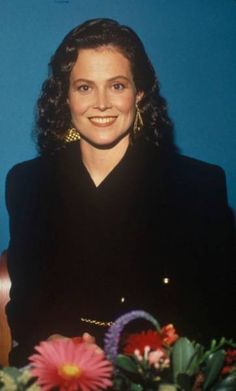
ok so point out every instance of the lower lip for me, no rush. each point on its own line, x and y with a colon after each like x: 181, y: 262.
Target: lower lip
x: 102, y: 124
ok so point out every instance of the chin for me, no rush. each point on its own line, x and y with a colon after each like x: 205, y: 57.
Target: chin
x: 105, y: 143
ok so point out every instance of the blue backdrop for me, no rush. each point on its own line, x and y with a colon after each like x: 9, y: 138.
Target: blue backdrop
x: 191, y: 44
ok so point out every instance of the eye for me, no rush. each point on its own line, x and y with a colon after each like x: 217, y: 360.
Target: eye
x: 84, y: 88
x: 118, y: 86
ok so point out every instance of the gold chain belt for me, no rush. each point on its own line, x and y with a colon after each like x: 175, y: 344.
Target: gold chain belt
x: 96, y: 322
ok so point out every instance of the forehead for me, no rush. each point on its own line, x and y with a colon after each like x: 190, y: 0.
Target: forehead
x: 104, y: 61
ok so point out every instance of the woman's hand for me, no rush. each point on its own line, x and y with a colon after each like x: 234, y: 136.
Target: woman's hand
x: 86, y: 338
x: 56, y: 336
x: 91, y: 343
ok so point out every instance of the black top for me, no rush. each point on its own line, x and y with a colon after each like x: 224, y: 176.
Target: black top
x: 76, y: 249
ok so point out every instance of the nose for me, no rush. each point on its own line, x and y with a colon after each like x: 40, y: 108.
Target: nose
x: 102, y: 100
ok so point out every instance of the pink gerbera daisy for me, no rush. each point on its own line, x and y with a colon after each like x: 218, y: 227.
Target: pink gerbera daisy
x: 70, y: 366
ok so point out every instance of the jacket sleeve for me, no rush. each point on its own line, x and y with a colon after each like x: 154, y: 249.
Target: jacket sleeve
x: 207, y: 221
x: 27, y: 218
x: 218, y: 271
x: 15, y: 196
x: 220, y: 218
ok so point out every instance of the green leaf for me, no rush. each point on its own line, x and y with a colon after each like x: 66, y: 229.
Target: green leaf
x: 228, y: 384
x: 214, y: 364
x: 184, y: 382
x: 213, y: 343
x: 135, y: 387
x: 126, y: 363
x: 182, y: 353
x: 194, y: 363
x: 13, y: 372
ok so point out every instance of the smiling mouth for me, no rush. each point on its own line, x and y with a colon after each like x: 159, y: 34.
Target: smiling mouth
x: 102, y: 121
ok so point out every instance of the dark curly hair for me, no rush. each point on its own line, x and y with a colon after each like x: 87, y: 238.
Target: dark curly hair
x: 53, y: 112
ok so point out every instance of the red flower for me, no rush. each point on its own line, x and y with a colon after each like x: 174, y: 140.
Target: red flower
x: 169, y: 334
x: 230, y: 361
x: 150, y: 338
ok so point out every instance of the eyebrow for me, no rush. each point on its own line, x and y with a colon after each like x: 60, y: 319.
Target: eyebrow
x: 111, y: 79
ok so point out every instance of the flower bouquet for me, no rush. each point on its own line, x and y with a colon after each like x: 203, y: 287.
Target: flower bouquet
x: 151, y: 360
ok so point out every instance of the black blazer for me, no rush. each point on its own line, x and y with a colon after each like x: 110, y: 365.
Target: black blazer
x: 80, y: 251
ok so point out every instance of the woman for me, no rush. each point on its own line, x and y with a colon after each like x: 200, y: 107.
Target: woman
x: 110, y: 208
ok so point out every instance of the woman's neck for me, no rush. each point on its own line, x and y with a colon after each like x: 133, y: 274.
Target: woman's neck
x: 100, y: 162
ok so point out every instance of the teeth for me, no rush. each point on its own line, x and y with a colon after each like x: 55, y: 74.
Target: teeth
x: 102, y: 120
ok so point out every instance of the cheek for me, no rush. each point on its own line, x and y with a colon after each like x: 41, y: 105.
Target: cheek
x: 126, y: 104
x: 78, y: 107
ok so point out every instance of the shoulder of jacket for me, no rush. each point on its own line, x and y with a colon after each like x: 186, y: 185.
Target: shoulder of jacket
x: 26, y: 168
x: 29, y: 171
x: 23, y: 179
x: 181, y: 165
x: 196, y: 169
x: 201, y: 180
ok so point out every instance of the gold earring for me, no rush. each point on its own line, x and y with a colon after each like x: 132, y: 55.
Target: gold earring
x: 138, y: 121
x: 71, y: 135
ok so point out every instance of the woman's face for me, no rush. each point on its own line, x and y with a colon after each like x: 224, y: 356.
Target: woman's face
x: 102, y: 96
